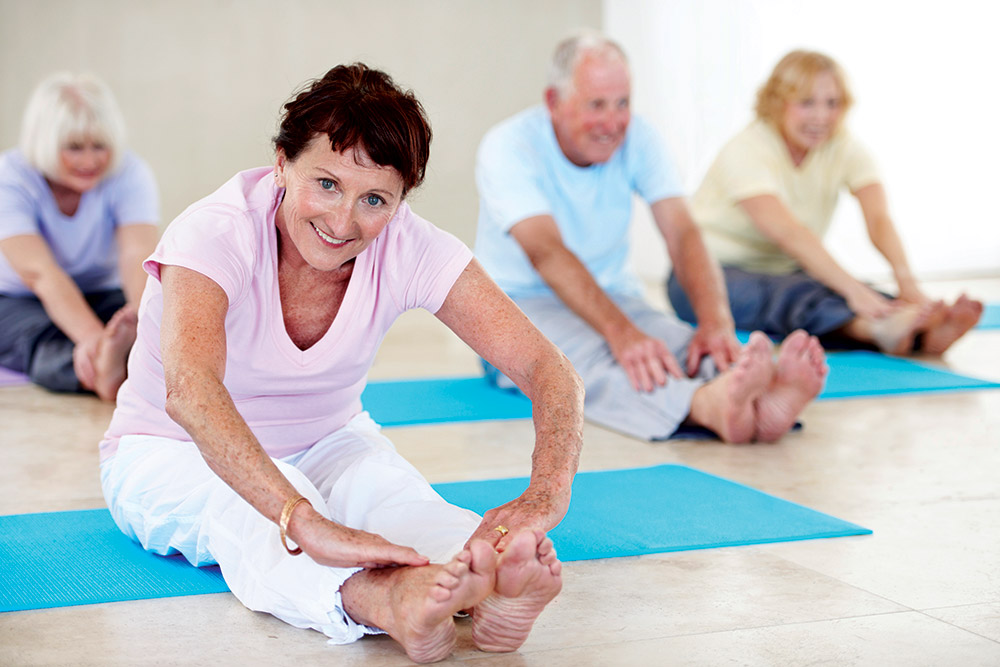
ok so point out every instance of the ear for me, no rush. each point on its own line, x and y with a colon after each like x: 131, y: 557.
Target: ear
x: 551, y: 98
x: 280, y: 161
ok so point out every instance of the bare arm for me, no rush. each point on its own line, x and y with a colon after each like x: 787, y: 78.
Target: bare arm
x: 701, y: 278
x: 193, y: 342
x: 778, y: 224
x: 31, y: 258
x: 486, y: 319
x: 646, y: 360
x: 136, y: 242
x: 882, y: 232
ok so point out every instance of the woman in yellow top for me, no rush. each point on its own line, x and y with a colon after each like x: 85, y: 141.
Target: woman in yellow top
x: 767, y: 201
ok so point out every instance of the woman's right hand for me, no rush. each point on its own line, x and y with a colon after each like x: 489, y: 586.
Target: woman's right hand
x: 869, y: 304
x: 335, y: 545
x: 84, y: 354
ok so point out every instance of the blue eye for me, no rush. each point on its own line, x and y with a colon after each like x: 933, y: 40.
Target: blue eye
x: 326, y: 183
x: 374, y: 200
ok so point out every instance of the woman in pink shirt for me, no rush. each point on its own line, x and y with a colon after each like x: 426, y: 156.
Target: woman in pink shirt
x: 240, y: 437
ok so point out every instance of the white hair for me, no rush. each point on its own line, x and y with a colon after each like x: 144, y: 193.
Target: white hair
x: 69, y: 107
x: 570, y: 51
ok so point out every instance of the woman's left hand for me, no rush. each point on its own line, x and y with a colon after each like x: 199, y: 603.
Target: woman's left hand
x: 720, y: 343
x: 533, y: 509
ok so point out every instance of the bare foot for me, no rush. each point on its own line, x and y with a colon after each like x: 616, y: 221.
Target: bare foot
x: 415, y: 605
x: 801, y: 371
x: 112, y: 353
x: 528, y: 577
x: 961, y: 317
x: 894, y: 333
x: 726, y: 404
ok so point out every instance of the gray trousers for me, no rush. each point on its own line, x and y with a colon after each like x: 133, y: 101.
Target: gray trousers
x: 31, y: 344
x: 610, y: 399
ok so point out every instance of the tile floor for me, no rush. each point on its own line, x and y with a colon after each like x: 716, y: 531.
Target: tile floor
x: 922, y: 471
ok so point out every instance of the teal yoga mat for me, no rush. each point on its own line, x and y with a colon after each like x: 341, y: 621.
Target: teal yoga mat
x: 852, y: 374
x: 990, y: 318
x: 69, y: 558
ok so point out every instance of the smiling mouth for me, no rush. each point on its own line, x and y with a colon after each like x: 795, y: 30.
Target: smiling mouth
x: 331, y: 240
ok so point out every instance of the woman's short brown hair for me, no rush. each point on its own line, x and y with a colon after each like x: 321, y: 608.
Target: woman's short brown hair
x: 360, y: 107
x: 792, y: 79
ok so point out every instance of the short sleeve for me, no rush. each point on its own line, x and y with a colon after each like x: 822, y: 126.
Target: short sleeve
x: 421, y: 262
x: 216, y: 242
x: 17, y: 209
x: 508, y: 179
x: 859, y: 167
x: 654, y: 173
x: 134, y: 197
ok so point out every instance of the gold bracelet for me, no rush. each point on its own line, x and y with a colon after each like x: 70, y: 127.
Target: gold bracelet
x: 286, y: 516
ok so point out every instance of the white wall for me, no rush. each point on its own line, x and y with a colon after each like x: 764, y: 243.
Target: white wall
x: 201, y: 82
x: 928, y: 106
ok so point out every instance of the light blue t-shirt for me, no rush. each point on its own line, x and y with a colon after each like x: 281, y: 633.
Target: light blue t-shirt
x: 521, y: 172
x: 83, y: 244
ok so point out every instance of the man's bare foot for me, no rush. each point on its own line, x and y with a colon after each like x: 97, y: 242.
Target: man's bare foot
x: 894, y: 333
x: 415, y: 605
x: 801, y: 372
x: 112, y: 353
x: 726, y: 404
x: 529, y: 576
x: 961, y: 317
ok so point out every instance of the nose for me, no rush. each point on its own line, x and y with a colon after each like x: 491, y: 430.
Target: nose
x: 338, y: 218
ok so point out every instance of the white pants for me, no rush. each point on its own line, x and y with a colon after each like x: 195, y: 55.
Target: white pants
x: 163, y: 495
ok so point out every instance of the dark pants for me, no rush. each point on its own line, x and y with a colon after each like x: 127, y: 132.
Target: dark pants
x: 32, y: 344
x: 776, y: 305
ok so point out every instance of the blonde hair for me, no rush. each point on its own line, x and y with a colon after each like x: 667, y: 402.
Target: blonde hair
x: 792, y: 79
x: 66, y: 107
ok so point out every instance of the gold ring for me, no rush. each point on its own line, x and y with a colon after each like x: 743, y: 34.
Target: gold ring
x: 502, y: 529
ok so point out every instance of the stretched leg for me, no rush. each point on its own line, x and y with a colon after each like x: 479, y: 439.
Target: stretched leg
x: 958, y: 319
x: 528, y: 577
x: 415, y: 605
x: 727, y: 404
x: 799, y: 376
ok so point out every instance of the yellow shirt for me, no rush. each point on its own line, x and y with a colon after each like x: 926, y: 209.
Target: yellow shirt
x: 756, y: 162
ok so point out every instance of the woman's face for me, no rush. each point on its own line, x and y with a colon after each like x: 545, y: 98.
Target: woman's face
x: 333, y: 206
x: 812, y: 120
x: 82, y: 164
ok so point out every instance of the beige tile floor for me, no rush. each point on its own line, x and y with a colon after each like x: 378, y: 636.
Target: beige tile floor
x: 922, y: 471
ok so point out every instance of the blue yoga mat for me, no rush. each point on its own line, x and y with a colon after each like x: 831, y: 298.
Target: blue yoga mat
x: 990, y: 318
x: 70, y: 558
x: 57, y: 559
x: 852, y: 374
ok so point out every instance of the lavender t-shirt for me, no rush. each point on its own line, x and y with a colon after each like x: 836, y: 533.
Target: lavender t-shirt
x: 290, y: 398
x: 83, y: 244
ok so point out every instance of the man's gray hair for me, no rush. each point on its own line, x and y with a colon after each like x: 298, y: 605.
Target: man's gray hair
x: 571, y: 50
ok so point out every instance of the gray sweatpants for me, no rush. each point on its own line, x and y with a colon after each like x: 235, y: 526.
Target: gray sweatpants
x: 610, y: 399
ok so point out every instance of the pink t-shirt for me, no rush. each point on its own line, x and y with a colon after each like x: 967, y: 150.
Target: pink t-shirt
x: 290, y: 398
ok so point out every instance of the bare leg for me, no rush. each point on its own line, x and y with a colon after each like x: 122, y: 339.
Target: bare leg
x: 528, y: 578
x: 894, y: 333
x: 726, y: 404
x: 961, y: 317
x: 112, y: 353
x: 801, y: 371
x: 415, y: 605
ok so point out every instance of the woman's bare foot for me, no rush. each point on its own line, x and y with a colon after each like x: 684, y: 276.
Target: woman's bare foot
x: 801, y: 372
x: 895, y: 333
x: 726, y: 404
x: 415, y: 605
x: 111, y: 360
x: 961, y: 317
x: 529, y: 576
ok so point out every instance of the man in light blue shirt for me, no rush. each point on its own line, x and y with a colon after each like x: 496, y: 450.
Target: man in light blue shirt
x: 556, y: 186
